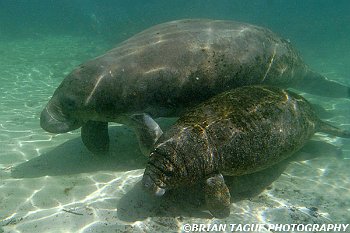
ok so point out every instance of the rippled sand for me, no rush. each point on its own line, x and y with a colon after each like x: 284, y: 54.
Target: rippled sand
x: 51, y: 183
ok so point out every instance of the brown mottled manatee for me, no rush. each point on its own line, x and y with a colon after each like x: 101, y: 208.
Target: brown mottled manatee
x: 166, y: 68
x: 237, y: 132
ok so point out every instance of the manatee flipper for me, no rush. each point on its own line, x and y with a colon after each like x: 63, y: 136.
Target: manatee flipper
x: 217, y: 196
x: 327, y: 128
x: 147, y: 131
x: 95, y: 136
x: 317, y: 84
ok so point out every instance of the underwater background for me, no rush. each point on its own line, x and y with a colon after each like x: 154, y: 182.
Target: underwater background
x: 51, y: 183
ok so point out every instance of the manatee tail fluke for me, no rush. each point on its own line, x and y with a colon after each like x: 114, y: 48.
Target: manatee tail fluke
x: 327, y: 128
x: 317, y: 84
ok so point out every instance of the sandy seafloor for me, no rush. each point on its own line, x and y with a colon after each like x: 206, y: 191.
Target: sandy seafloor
x: 51, y: 183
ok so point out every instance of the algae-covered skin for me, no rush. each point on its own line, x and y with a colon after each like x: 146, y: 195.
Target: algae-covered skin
x: 237, y: 132
x: 169, y: 67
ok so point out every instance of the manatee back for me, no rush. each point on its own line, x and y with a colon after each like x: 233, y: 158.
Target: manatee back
x: 168, y: 64
x: 249, y: 128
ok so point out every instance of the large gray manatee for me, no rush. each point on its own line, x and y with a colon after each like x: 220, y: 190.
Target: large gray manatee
x: 169, y: 67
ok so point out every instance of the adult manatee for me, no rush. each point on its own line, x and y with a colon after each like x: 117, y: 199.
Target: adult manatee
x: 234, y: 133
x: 166, y: 68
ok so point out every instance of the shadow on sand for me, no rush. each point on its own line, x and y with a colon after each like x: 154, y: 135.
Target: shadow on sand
x: 72, y: 157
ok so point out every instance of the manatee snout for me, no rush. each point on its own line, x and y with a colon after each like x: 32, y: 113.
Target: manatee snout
x: 162, y: 173
x: 52, y: 122
x: 151, y: 187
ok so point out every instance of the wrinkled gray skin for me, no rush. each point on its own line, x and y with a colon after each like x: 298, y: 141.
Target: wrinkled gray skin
x: 237, y: 132
x: 161, y: 71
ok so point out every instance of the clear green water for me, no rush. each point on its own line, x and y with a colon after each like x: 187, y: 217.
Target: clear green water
x: 50, y: 183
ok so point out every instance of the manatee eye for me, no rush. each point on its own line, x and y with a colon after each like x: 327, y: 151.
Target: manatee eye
x: 69, y: 103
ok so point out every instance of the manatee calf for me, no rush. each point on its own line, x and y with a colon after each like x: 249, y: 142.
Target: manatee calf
x: 237, y: 132
x: 162, y: 70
